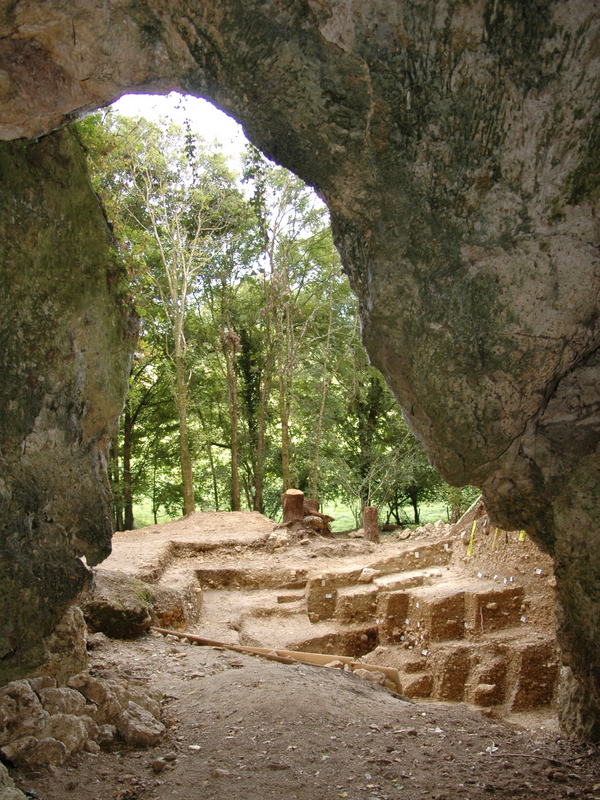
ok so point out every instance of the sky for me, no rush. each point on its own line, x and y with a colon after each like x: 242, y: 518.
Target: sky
x: 205, y: 119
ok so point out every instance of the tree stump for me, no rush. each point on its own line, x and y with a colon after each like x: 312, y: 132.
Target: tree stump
x: 371, y: 524
x: 310, y: 506
x: 293, y: 505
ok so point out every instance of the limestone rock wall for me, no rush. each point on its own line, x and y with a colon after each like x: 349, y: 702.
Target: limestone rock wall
x: 65, y: 343
x: 457, y: 146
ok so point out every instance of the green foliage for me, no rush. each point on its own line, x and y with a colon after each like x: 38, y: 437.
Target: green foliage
x: 250, y: 338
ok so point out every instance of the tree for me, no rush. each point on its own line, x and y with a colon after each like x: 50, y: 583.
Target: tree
x: 174, y: 205
x: 250, y: 377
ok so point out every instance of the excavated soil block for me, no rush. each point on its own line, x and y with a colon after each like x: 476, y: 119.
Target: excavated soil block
x: 355, y: 643
x: 536, y: 668
x: 432, y: 554
x: 493, y: 608
x: 356, y: 605
x: 451, y: 671
x: 321, y: 598
x: 486, y: 685
x: 417, y: 685
x: 392, y: 611
x: 439, y: 611
x: 242, y: 578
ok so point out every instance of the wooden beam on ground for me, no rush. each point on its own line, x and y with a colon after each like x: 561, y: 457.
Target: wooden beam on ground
x: 289, y: 656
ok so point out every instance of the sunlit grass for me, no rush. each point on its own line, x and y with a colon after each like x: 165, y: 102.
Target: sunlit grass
x: 143, y: 516
x: 344, y: 518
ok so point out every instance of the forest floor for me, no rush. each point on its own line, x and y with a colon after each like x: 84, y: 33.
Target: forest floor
x: 240, y: 726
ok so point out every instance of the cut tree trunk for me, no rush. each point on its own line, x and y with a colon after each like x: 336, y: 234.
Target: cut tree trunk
x: 371, y: 525
x: 310, y: 506
x: 292, y: 501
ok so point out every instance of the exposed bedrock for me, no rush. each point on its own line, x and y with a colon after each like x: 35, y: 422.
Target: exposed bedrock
x: 65, y: 344
x: 457, y: 145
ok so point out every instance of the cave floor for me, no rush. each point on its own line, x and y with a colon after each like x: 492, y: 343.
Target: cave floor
x: 243, y: 727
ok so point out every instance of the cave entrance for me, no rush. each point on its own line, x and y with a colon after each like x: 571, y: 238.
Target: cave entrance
x: 249, y: 374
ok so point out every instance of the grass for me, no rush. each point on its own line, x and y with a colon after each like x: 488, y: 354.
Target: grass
x: 143, y: 517
x: 344, y: 518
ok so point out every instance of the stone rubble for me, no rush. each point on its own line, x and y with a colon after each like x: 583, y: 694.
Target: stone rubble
x: 44, y: 724
x: 7, y: 786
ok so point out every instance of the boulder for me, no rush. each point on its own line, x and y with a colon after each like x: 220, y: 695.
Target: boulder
x: 21, y: 713
x: 107, y: 735
x: 107, y: 708
x: 15, y: 750
x: 46, y: 752
x: 168, y: 608
x: 68, y: 729
x: 62, y: 701
x: 138, y: 727
x: 118, y: 605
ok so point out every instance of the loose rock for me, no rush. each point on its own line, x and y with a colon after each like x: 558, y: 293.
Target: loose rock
x: 138, y: 727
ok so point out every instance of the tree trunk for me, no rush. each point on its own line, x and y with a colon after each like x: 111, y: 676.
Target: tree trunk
x: 127, y: 495
x: 285, y: 431
x: 413, y: 499
x: 324, y: 387
x: 292, y: 502
x: 260, y: 445
x: 371, y: 524
x: 189, y: 503
x: 230, y: 343
x: 214, y: 475
x: 117, y: 497
x: 258, y: 472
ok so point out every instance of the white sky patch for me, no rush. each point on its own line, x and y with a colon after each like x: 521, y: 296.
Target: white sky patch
x: 206, y: 120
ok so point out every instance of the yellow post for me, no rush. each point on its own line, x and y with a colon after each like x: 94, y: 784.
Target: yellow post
x: 472, y: 539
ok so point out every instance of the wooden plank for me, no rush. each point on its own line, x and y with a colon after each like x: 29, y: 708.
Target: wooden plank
x: 289, y: 656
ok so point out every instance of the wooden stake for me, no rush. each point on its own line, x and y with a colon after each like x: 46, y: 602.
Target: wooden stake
x: 371, y: 524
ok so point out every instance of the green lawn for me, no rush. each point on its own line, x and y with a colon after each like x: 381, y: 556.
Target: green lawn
x: 344, y: 519
x: 142, y: 515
